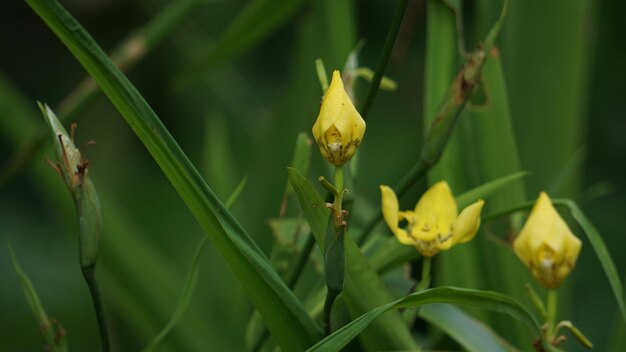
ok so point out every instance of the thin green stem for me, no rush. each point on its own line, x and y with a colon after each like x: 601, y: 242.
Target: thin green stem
x: 334, y: 283
x: 425, y: 279
x: 89, y: 273
x: 410, y: 313
x: 551, y: 314
x: 340, y: 191
x: 384, y: 57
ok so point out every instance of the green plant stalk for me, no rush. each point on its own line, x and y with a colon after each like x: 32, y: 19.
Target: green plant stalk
x: 334, y: 253
x: 425, y: 279
x: 409, y: 314
x: 551, y: 315
x: 89, y: 273
x: 384, y: 57
x: 125, y: 56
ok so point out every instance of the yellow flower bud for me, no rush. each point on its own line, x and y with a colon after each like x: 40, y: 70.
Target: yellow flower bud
x: 546, y: 245
x: 435, y: 224
x: 339, y: 128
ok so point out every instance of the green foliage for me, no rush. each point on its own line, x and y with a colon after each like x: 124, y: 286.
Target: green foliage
x: 244, y: 90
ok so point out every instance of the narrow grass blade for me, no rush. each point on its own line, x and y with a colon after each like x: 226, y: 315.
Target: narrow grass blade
x: 364, y: 290
x: 473, y: 335
x: 52, y: 332
x: 488, y: 300
x: 487, y: 189
x: 192, y: 279
x: 601, y: 251
x: 185, y: 296
x: 313, y: 206
x: 291, y: 326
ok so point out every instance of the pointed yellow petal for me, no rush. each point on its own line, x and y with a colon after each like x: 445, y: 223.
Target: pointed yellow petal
x: 467, y: 224
x: 390, y: 207
x: 437, y: 206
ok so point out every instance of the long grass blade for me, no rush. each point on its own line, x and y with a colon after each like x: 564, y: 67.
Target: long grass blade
x: 472, y: 298
x: 473, y: 335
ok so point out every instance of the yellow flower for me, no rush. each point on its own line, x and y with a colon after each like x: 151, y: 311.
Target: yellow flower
x: 339, y: 128
x: 546, y: 245
x: 435, y: 224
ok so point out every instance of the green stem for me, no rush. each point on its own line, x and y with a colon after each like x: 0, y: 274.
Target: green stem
x: 551, y: 314
x: 89, y: 273
x: 410, y: 313
x: 334, y: 283
x: 340, y: 191
x: 425, y: 279
x: 384, y: 57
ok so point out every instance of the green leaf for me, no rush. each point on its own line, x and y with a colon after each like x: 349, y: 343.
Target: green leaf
x: 601, y: 251
x: 313, y: 206
x: 473, y: 335
x: 487, y: 189
x: 291, y: 326
x: 51, y: 331
x: 364, y: 290
x: 473, y: 298
x: 301, y: 157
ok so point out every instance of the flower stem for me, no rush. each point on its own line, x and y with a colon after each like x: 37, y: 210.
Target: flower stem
x: 339, y: 196
x: 551, y: 314
x: 334, y: 256
x: 409, y: 314
x: 425, y: 279
x: 89, y: 273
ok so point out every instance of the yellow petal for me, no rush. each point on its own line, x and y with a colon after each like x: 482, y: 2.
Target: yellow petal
x: 435, y: 213
x: 536, y: 230
x: 393, y: 215
x: 468, y: 222
x: 390, y: 207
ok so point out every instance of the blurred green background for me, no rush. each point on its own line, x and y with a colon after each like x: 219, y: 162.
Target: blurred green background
x: 238, y: 115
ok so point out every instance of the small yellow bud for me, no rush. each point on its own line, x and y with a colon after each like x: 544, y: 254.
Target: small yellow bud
x: 546, y: 245
x: 339, y: 128
x: 435, y: 224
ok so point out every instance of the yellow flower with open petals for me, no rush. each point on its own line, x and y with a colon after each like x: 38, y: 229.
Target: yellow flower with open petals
x: 435, y: 224
x: 546, y: 245
x: 339, y: 128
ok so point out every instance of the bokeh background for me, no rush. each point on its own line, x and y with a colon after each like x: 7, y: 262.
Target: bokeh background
x: 236, y: 105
